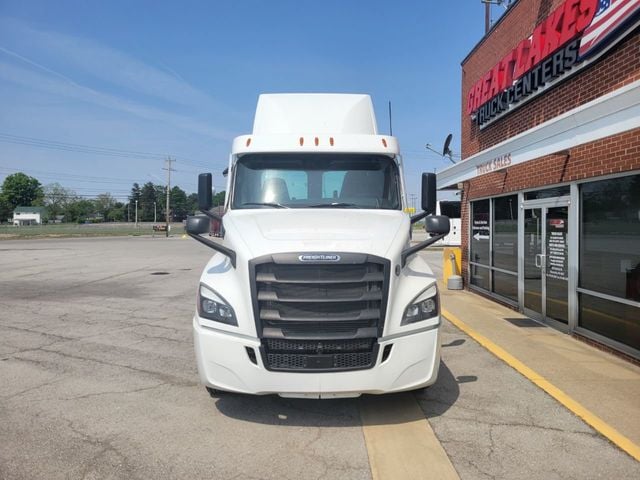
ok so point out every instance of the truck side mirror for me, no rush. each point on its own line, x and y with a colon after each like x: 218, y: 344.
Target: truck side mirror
x: 205, y: 199
x: 437, y: 224
x: 429, y: 193
x: 198, y: 224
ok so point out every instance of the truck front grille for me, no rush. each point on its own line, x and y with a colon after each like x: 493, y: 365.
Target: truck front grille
x: 332, y: 355
x: 312, y: 307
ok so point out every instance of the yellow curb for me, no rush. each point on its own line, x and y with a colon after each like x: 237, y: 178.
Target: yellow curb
x: 591, y: 419
x: 400, y: 441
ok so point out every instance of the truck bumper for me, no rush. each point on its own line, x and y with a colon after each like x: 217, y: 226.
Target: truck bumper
x: 224, y: 364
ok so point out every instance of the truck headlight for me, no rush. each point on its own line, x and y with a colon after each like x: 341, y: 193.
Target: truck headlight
x: 423, y: 307
x: 213, y: 307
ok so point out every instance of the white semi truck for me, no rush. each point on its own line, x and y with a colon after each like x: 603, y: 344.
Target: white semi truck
x: 315, y: 290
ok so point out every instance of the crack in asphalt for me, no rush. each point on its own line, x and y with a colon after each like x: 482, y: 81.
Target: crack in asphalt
x: 106, y: 445
x: 170, y: 379
x: 115, y: 392
x: 30, y: 389
x: 591, y: 433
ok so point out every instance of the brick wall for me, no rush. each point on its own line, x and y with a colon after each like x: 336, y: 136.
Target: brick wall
x: 614, y: 154
x: 618, y: 67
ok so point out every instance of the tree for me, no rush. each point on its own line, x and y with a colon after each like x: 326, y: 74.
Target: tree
x: 117, y: 213
x: 6, y: 211
x: 79, y: 209
x: 193, y: 203
x: 161, y: 200
x: 131, y: 206
x: 179, y: 204
x: 104, y: 203
x: 218, y: 198
x: 147, y: 200
x: 20, y: 190
x: 57, y: 198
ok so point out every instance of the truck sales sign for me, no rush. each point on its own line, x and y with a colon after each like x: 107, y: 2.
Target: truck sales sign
x: 573, y: 32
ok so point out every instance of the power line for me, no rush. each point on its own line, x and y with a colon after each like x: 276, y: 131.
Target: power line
x: 69, y: 176
x: 91, y: 149
x: 78, y: 148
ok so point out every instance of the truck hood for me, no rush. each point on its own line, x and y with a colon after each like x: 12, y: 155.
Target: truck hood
x: 265, y: 231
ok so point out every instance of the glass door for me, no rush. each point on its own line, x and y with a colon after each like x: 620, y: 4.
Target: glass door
x: 546, y: 275
x: 533, y: 235
x: 556, y: 271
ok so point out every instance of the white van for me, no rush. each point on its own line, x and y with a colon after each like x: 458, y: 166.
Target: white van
x: 451, y: 209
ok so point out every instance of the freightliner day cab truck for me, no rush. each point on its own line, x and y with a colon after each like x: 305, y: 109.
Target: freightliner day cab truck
x: 315, y: 290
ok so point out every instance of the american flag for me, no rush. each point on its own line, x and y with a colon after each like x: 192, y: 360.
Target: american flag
x: 610, y: 15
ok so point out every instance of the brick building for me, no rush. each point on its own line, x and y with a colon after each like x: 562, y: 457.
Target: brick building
x: 550, y: 170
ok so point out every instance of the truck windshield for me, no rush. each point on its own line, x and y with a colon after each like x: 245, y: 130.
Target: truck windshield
x: 316, y: 181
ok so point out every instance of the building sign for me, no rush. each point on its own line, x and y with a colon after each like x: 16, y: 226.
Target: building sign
x: 574, y: 31
x: 497, y: 163
x: 557, y: 254
x: 480, y: 227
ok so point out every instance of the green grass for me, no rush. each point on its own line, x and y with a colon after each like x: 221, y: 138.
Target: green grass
x: 8, y: 232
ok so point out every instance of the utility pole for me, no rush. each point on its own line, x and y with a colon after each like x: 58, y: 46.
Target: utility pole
x: 168, y: 168
x: 487, y: 17
x: 136, y: 213
x: 154, y: 212
x: 412, y: 200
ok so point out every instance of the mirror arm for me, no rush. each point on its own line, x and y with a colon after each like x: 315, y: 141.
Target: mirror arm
x: 215, y: 216
x: 416, y: 248
x: 418, y: 216
x: 217, y: 247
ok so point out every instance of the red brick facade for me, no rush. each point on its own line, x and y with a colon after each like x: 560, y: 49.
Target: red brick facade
x: 618, y: 67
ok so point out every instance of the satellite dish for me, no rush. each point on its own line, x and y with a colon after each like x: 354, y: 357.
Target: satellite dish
x: 446, y: 151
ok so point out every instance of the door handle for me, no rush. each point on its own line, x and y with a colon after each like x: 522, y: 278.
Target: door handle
x: 538, y: 260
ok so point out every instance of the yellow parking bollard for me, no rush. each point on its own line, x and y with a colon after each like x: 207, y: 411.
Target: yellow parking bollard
x: 448, y: 265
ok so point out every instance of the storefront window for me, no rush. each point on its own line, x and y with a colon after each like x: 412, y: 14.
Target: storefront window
x: 506, y: 285
x: 610, y: 257
x: 505, y: 233
x: 610, y: 319
x: 494, y: 246
x: 480, y: 232
x: 480, y: 276
x: 548, y: 193
x: 610, y: 236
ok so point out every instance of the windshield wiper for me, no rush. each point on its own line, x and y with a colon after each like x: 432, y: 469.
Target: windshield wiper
x: 334, y: 205
x: 264, y: 204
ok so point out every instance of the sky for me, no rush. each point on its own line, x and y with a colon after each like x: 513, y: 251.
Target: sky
x: 95, y: 95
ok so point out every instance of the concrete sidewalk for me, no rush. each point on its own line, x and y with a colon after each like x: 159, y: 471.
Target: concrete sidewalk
x: 607, y: 386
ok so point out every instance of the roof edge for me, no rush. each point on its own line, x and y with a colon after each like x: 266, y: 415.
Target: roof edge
x: 493, y: 27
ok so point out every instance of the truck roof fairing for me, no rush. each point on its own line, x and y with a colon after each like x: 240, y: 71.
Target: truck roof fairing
x: 314, y: 114
x: 315, y: 123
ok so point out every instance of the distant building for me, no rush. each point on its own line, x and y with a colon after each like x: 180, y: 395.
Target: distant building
x: 29, y: 216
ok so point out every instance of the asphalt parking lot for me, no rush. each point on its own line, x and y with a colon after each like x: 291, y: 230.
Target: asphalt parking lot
x: 98, y: 380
